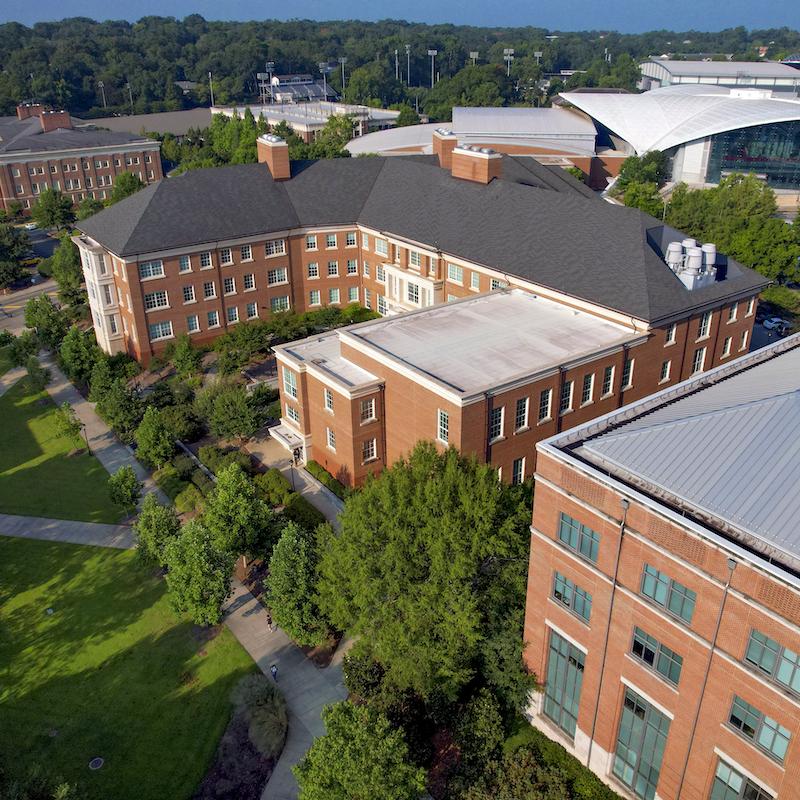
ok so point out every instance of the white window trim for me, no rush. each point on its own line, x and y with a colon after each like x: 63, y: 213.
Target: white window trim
x: 746, y: 772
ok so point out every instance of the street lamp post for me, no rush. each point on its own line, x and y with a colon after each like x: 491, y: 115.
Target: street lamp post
x: 102, y: 85
x: 432, y: 54
x: 408, y: 65
x: 211, y: 86
x: 86, y: 439
x: 508, y: 57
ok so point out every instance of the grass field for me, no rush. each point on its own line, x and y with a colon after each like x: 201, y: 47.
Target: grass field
x: 113, y: 670
x: 37, y: 477
x: 5, y: 362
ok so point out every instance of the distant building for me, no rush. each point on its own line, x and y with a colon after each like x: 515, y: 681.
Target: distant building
x: 178, y: 123
x: 663, y: 609
x: 42, y: 149
x: 771, y: 75
x: 296, y: 88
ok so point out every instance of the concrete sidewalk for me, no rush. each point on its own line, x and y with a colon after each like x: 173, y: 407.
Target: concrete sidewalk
x: 67, y: 530
x: 110, y: 452
x: 10, y: 378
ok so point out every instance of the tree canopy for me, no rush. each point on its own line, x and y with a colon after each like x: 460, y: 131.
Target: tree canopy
x: 53, y: 209
x: 125, y: 184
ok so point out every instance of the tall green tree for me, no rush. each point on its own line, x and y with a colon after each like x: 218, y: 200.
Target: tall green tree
x: 155, y: 528
x: 231, y: 415
x: 125, y: 184
x: 67, y: 423
x: 124, y: 488
x: 67, y: 269
x: 121, y: 409
x: 361, y: 755
x: 187, y: 359
x: 49, y: 322
x: 422, y: 549
x: 38, y: 376
x: 156, y: 443
x: 23, y: 346
x: 78, y: 354
x: 88, y: 207
x: 53, y: 210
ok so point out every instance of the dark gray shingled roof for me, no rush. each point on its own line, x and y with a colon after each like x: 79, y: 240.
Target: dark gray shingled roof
x: 534, y: 223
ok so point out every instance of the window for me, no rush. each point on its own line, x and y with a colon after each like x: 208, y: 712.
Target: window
x: 588, y: 389
x: 413, y: 293
x: 188, y: 294
x: 641, y: 740
x: 475, y: 281
x: 608, y: 381
x: 442, y: 426
x: 209, y: 290
x: 380, y: 274
x: 367, y: 410
x: 205, y: 261
x: 666, y: 368
x: 566, y: 397
x: 545, y: 404
x: 226, y: 256
x: 252, y: 310
x: 732, y: 785
x: 352, y: 294
x: 414, y: 258
x: 277, y: 276
x: 213, y: 319
x: 150, y: 174
x: 755, y: 725
x: 333, y: 268
x: 627, y: 373
x: 521, y: 417
x: 232, y: 314
x: 148, y: 159
x: 279, y: 303
x: 496, y: 422
x: 88, y: 183
x: 107, y: 294
x: 278, y: 247
x: 699, y: 360
x: 247, y: 252
x: 117, y: 162
x: 381, y: 247
x: 331, y: 440
x: 101, y: 263
x: 562, y: 689
x: 669, y: 594
x: 328, y: 400
x: 656, y: 656
x: 577, y: 537
x: 780, y: 664
x: 289, y: 383
x: 112, y: 324
x: 455, y: 273
x: 751, y: 306
x: 151, y: 269
x: 193, y: 324
x: 330, y: 240
x: 19, y: 189
x: 732, y: 312
x: 381, y: 304
x: 366, y: 270
x: 352, y: 266
x: 160, y: 330
x: 15, y: 173
x: 249, y: 282
x: 155, y: 300
x: 311, y: 242
x: 313, y: 270
x: 184, y: 264
x: 495, y: 284
x: 726, y: 346
x: 54, y: 168
x: 518, y: 472
x: 313, y: 297
x: 365, y: 241
x: 572, y: 596
x: 229, y: 286
x: 119, y: 296
x: 744, y: 341
x: 368, y: 450
x: 292, y: 414
x: 350, y: 239
x: 31, y: 170
x: 333, y: 295
x: 704, y: 328
x: 367, y: 300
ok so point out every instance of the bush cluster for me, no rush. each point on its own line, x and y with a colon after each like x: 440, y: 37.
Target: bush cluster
x: 170, y: 482
x: 325, y: 478
x: 217, y: 458
x: 190, y: 499
x: 299, y: 510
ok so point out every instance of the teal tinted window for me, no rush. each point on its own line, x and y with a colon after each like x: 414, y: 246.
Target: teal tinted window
x: 562, y: 691
x: 578, y: 537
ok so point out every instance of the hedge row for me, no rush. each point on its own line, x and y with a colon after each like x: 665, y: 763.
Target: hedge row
x: 216, y: 458
x: 324, y: 477
x: 170, y: 482
x: 273, y: 486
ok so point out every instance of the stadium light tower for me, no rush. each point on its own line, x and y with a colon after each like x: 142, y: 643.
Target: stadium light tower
x: 432, y: 54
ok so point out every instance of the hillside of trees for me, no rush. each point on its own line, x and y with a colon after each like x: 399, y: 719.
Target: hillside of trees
x: 62, y: 64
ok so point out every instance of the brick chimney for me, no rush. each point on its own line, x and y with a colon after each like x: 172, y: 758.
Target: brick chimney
x: 53, y: 120
x: 478, y: 164
x: 29, y: 110
x: 274, y: 152
x: 444, y: 141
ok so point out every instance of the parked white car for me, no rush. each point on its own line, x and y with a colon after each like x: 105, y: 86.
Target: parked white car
x: 776, y: 324
x: 31, y: 226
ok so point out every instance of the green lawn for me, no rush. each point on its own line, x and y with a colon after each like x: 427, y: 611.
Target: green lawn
x: 5, y: 361
x: 37, y: 477
x: 113, y: 670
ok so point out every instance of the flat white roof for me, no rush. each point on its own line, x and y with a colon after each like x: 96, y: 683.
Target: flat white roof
x: 308, y: 113
x: 538, y: 122
x: 325, y: 354
x: 725, y: 69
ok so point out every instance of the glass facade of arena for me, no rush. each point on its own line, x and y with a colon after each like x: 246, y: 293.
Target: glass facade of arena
x: 772, y: 152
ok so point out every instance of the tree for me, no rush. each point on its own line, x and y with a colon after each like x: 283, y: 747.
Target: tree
x: 187, y: 359
x: 10, y: 271
x: 23, y: 346
x: 78, y: 355
x: 53, y: 210
x: 156, y: 443
x: 14, y: 244
x: 649, y: 168
x: 101, y: 380
x: 124, y: 487
x: 236, y: 519
x: 156, y: 527
x: 88, y: 207
x: 407, y: 116
x: 231, y: 415
x: 67, y: 269
x: 293, y: 585
x: 125, y: 184
x: 520, y: 776
x: 68, y: 424
x: 49, y: 322
x: 645, y: 197
x: 199, y: 574
x: 38, y: 376
x: 120, y: 408
x: 360, y: 756
x: 14, y: 209
x: 421, y: 550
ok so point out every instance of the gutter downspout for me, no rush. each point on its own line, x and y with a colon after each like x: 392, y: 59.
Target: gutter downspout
x: 731, y: 566
x: 625, y: 503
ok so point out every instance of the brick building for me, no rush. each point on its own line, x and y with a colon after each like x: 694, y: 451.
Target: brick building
x: 663, y: 611
x: 42, y: 149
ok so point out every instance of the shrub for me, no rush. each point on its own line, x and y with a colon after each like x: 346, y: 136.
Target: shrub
x: 299, y: 510
x: 273, y: 486
x: 203, y: 482
x: 324, y: 477
x: 190, y: 499
x: 182, y: 422
x: 781, y: 297
x: 265, y: 710
x: 184, y: 466
x: 6, y: 337
x: 216, y: 458
x: 45, y: 267
x: 363, y: 675
x: 169, y: 481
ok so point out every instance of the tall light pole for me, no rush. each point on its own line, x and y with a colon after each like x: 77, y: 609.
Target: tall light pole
x: 343, y: 60
x: 211, y: 86
x: 130, y: 96
x: 474, y: 55
x: 432, y: 54
x: 323, y: 68
x: 508, y: 57
x: 537, y: 54
x: 396, y: 66
x: 408, y: 63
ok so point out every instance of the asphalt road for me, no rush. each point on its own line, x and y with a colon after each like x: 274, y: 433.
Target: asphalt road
x: 12, y: 305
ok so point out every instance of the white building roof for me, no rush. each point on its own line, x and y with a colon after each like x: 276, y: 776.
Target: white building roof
x: 304, y: 115
x: 723, y: 69
x: 673, y: 115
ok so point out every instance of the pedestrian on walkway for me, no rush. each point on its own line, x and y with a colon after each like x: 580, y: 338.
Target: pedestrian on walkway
x: 274, y: 672
x: 269, y: 622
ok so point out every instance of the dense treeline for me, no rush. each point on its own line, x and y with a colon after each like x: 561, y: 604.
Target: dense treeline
x: 64, y: 63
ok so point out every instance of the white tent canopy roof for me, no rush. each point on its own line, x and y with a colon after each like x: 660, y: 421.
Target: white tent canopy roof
x: 673, y: 115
